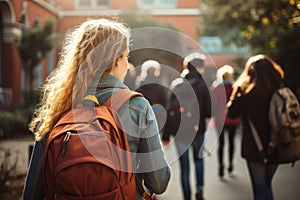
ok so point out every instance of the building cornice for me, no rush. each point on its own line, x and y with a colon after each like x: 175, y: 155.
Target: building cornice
x: 175, y: 11
x: 154, y: 12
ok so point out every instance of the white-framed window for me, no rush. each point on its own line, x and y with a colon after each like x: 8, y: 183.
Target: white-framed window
x: 92, y: 3
x: 157, y: 3
x: 214, y: 44
x: 38, y: 74
x: 6, y: 96
x: 84, y: 3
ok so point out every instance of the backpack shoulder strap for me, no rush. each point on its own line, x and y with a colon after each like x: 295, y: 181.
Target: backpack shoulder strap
x: 257, y: 140
x: 92, y: 98
x: 119, y: 98
x: 114, y: 103
x: 86, y: 114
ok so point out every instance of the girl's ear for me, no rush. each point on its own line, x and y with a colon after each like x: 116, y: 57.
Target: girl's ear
x: 116, y: 62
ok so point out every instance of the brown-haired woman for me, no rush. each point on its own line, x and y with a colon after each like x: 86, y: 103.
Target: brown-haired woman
x: 250, y: 99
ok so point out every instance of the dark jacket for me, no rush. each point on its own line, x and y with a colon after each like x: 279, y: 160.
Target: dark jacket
x: 153, y: 90
x: 220, y: 93
x: 255, y: 106
x: 188, y: 106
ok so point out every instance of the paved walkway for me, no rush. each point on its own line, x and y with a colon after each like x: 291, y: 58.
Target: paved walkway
x: 232, y: 187
x: 18, y: 149
x: 237, y: 186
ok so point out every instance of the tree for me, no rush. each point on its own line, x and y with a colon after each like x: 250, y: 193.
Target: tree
x: 33, y: 46
x: 271, y: 27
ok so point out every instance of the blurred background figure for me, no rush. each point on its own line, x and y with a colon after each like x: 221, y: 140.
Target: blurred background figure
x: 221, y: 91
x: 130, y: 77
x: 250, y: 99
x: 187, y: 110
x: 150, y: 84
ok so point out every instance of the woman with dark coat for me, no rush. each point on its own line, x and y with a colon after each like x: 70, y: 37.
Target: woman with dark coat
x: 250, y: 99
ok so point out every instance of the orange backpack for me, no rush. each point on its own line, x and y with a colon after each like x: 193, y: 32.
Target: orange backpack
x: 87, y: 155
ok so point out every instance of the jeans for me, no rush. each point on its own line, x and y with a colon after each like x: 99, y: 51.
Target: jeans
x: 185, y: 166
x: 231, y: 129
x: 261, y: 178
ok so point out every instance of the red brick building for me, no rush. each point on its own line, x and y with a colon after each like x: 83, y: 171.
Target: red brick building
x: 11, y: 72
x: 182, y: 14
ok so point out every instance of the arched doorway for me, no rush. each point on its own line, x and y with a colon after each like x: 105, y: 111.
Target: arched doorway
x: 10, y: 74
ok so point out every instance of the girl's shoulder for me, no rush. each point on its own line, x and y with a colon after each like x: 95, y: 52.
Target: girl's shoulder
x: 139, y: 103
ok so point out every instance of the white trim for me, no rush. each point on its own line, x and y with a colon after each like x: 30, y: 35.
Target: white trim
x: 12, y: 11
x: 156, y: 4
x: 170, y: 12
x: 11, y: 31
x: 176, y: 11
x: 75, y: 13
x: 93, y: 5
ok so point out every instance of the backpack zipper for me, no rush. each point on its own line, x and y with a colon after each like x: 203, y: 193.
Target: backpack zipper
x: 66, y: 139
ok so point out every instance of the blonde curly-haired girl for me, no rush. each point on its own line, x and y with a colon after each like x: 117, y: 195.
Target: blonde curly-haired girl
x: 88, y: 52
x: 94, y: 60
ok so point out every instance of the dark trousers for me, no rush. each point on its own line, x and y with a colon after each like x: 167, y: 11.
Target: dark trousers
x: 185, y: 165
x: 230, y: 129
x: 261, y: 179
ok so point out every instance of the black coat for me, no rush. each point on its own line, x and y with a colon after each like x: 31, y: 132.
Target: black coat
x: 254, y: 105
x: 188, y: 106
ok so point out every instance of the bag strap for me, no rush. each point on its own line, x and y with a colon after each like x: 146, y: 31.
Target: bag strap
x: 257, y: 140
x: 86, y: 114
x: 92, y: 98
x: 119, y: 98
x: 116, y: 100
x: 140, y: 189
x: 148, y: 197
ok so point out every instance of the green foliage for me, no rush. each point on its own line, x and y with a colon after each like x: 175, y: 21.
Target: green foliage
x: 261, y: 23
x: 271, y: 27
x: 15, y: 122
x: 36, y: 42
x: 33, y: 46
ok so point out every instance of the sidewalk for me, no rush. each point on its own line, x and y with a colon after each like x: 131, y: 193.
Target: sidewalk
x: 286, y: 183
x: 232, y: 187
x: 19, y: 150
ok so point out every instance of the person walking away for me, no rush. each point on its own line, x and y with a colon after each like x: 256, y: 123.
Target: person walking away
x: 187, y: 109
x: 151, y: 85
x: 250, y: 99
x: 221, y: 92
x: 94, y: 62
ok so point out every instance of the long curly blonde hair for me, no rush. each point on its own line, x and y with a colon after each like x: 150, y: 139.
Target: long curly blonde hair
x: 88, y: 52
